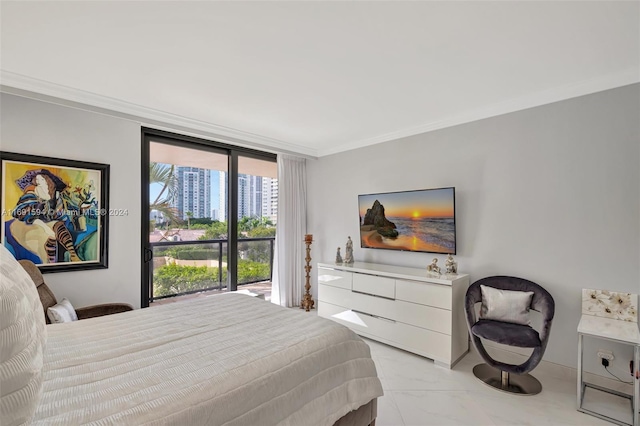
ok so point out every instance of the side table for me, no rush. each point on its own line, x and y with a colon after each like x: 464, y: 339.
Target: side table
x: 618, y: 331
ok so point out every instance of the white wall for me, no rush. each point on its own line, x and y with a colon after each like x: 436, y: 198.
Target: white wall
x: 550, y: 194
x: 39, y: 128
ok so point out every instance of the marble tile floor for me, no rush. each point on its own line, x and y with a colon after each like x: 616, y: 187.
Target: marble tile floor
x: 419, y: 393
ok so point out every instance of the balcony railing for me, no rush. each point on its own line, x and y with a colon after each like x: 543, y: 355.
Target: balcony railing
x: 186, y: 267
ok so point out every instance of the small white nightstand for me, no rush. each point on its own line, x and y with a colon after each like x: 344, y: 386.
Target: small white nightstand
x: 617, y: 331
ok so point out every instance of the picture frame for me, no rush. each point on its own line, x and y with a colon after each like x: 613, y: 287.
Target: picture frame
x: 55, y: 212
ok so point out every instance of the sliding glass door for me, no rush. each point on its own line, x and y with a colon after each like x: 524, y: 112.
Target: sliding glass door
x: 257, y: 216
x: 209, y: 222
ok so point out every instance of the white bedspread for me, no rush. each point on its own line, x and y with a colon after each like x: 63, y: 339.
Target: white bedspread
x: 221, y: 360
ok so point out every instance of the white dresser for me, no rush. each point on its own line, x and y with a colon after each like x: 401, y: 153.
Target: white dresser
x: 399, y: 306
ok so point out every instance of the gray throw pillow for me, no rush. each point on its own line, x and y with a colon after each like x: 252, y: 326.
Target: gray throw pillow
x: 505, y: 305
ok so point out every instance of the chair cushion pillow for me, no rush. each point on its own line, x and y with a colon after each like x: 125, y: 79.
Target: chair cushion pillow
x: 505, y: 305
x: 522, y: 336
x: 23, y: 336
x: 62, y: 312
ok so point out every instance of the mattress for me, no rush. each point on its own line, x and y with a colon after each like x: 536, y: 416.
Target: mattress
x: 228, y: 359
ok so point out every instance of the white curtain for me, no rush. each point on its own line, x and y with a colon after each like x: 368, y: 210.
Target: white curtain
x: 288, y: 262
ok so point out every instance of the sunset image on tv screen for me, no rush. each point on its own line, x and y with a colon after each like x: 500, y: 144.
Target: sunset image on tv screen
x: 421, y: 220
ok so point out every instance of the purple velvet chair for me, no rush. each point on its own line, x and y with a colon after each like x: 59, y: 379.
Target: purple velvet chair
x: 508, y: 377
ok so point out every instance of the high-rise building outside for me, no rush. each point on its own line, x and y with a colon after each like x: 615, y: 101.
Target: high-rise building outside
x: 223, y: 196
x: 257, y: 197
x: 193, y: 192
x: 249, y: 196
x: 270, y: 199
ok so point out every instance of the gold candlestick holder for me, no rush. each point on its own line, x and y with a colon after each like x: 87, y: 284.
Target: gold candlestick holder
x: 307, y: 301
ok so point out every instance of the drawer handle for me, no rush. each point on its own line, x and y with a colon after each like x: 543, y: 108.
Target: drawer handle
x: 373, y: 316
x: 372, y: 295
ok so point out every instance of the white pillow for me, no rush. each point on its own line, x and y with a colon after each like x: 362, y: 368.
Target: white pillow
x: 505, y: 305
x: 23, y: 336
x: 61, y: 312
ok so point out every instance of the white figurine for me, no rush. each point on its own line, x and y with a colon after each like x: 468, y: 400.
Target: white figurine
x: 450, y: 265
x: 433, y: 267
x: 338, y: 257
x: 348, y: 251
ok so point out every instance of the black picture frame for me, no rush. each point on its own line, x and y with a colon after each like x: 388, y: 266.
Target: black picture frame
x: 55, y: 212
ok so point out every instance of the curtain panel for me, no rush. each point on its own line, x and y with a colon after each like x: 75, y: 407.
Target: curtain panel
x: 288, y: 263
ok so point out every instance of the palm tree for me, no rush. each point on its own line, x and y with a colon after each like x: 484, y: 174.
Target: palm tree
x: 189, y: 216
x: 164, y: 175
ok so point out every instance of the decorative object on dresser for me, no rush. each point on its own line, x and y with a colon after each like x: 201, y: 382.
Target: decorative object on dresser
x: 433, y: 268
x: 338, y: 257
x: 504, y: 319
x: 348, y: 251
x: 451, y: 267
x: 307, y: 301
x: 402, y: 307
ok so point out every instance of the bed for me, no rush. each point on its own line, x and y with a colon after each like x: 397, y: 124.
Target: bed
x: 229, y: 360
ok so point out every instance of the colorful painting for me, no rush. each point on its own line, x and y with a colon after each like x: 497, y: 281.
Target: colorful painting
x: 421, y: 220
x: 610, y: 304
x: 54, y: 211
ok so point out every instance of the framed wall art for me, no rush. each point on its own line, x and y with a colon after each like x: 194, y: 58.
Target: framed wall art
x: 55, y: 211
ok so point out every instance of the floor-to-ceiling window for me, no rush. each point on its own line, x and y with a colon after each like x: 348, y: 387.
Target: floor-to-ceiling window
x: 257, y: 216
x: 210, y: 213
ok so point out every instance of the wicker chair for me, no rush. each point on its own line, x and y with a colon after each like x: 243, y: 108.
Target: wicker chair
x: 48, y: 299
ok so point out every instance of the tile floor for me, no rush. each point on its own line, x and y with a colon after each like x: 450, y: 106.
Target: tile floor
x: 419, y: 393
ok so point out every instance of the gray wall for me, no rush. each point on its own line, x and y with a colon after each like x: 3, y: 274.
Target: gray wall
x: 551, y: 194
x: 39, y: 128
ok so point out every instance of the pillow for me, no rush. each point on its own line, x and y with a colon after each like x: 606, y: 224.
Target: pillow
x: 505, y: 305
x: 23, y: 336
x: 62, y: 312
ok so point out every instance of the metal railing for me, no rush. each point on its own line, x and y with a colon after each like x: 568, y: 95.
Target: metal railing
x: 215, y: 246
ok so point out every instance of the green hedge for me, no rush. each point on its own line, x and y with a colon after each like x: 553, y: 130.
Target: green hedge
x: 193, y: 253
x: 174, y: 279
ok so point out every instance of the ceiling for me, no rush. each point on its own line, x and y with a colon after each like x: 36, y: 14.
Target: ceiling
x: 317, y: 78
x: 181, y: 156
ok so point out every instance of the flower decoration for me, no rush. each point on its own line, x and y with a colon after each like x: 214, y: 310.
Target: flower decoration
x: 610, y: 304
x: 81, y: 198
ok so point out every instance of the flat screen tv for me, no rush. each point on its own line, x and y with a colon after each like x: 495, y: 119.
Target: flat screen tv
x: 422, y: 220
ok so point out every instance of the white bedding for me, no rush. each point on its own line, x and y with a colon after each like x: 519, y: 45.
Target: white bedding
x: 229, y: 359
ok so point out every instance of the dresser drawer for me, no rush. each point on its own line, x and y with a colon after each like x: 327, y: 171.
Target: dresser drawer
x: 335, y: 295
x: 371, y: 284
x: 427, y: 343
x: 335, y: 278
x: 414, y: 339
x: 424, y: 293
x: 361, y: 323
x: 427, y: 317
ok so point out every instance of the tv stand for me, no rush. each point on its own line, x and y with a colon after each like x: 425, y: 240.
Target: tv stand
x: 402, y: 307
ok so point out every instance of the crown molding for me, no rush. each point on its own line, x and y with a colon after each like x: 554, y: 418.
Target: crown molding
x: 150, y: 117
x: 40, y: 89
x: 581, y: 88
